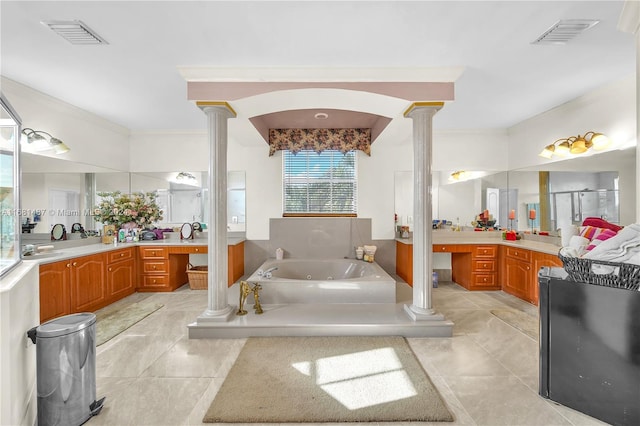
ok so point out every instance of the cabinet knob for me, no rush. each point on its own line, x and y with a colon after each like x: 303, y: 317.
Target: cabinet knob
x: 110, y: 269
x: 153, y: 267
x: 121, y: 254
x: 154, y: 281
x: 68, y: 265
x: 75, y: 263
x: 197, y: 249
x: 515, y: 253
x: 485, y: 280
x: 485, y: 265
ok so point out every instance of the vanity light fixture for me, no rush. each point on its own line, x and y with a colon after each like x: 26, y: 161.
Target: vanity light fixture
x: 38, y: 140
x: 458, y: 175
x: 576, y: 145
x: 185, y: 178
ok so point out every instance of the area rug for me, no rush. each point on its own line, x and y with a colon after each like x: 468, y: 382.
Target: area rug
x: 327, y: 379
x: 523, y: 322
x: 110, y: 325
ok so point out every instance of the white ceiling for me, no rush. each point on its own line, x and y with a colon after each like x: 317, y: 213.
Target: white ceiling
x: 134, y: 81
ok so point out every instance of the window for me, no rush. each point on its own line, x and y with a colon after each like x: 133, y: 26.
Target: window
x: 320, y: 184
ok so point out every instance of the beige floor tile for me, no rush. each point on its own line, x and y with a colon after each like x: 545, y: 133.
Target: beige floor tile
x: 152, y: 374
x: 467, y: 321
x: 203, y: 404
x: 149, y: 401
x: 497, y: 401
x: 457, y: 356
x: 196, y: 358
x: 129, y: 356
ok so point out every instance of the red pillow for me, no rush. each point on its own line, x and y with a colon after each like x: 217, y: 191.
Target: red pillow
x: 601, y: 223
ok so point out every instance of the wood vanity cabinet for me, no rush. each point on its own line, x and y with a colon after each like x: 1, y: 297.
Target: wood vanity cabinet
x: 154, y: 269
x: 517, y: 278
x: 72, y: 286
x: 54, y: 290
x: 235, y: 262
x: 88, y: 291
x: 540, y: 260
x: 521, y: 267
x: 404, y: 262
x: 484, y: 268
x: 121, y: 273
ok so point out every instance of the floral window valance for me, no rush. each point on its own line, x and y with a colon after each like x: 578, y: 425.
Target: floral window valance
x: 343, y: 140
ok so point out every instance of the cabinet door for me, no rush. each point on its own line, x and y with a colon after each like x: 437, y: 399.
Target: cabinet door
x: 54, y: 290
x: 404, y: 262
x: 518, y: 275
x: 120, y: 279
x: 88, y: 290
x: 235, y: 262
x: 540, y: 260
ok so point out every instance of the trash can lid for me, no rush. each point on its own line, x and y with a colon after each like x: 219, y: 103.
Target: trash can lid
x: 65, y: 325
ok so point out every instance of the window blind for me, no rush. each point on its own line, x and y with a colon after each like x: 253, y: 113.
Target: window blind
x: 324, y: 183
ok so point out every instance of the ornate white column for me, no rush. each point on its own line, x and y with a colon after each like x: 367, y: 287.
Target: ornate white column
x: 422, y: 114
x: 218, y: 308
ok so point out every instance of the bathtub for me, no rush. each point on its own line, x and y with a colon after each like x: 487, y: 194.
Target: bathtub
x: 323, y: 281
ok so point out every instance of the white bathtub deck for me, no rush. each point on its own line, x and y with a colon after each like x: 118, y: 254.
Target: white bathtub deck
x: 317, y: 319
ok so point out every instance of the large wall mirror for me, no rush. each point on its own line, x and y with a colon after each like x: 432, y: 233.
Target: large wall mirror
x: 67, y: 191
x: 560, y: 193
x: 566, y: 192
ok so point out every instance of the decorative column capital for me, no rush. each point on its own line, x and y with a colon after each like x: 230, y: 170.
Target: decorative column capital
x: 434, y: 106
x: 219, y: 105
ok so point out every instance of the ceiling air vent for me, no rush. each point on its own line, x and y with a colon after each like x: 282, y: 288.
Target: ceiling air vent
x: 564, y: 31
x: 75, y: 32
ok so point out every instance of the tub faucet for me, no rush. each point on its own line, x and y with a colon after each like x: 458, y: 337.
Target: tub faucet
x: 273, y: 268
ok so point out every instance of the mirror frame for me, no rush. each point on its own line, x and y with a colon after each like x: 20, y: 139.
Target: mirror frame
x: 186, y: 231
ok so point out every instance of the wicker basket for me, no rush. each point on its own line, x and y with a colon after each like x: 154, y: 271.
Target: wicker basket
x: 620, y: 275
x: 198, y: 277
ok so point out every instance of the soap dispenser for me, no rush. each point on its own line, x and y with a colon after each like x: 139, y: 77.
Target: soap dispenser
x: 279, y: 254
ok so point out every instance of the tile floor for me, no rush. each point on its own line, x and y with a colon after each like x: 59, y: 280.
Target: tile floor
x: 487, y: 373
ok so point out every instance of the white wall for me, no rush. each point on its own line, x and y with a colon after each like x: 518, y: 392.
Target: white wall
x: 609, y: 109
x: 92, y: 139
x: 19, y: 312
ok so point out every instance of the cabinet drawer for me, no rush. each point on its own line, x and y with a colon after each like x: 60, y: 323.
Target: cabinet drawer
x: 488, y: 280
x: 485, y: 251
x: 158, y: 266
x: 188, y: 249
x: 154, y: 253
x: 155, y: 281
x: 118, y: 255
x: 444, y: 248
x: 484, y: 265
x: 518, y: 253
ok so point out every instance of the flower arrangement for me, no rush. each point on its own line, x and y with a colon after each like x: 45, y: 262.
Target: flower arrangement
x: 118, y: 209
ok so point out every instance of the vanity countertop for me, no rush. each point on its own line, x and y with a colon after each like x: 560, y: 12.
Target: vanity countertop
x: 493, y: 237
x: 85, y: 250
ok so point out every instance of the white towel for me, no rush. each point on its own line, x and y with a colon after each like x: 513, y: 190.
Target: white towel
x: 566, y: 232
x: 624, y: 247
x: 579, y: 244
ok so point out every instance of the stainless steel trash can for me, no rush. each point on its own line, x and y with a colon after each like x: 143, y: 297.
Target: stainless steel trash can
x: 66, y: 370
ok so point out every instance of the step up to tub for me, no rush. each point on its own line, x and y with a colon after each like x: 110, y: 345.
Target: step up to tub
x: 323, y: 320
